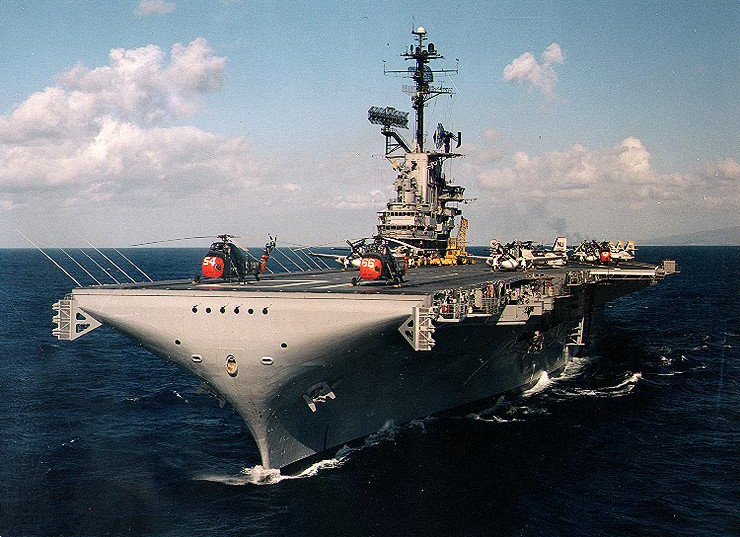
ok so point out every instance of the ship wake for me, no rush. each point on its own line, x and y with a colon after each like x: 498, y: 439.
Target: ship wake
x: 621, y: 389
x: 575, y: 382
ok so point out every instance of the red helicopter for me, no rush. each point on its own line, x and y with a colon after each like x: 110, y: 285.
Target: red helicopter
x: 225, y: 260
x: 377, y: 262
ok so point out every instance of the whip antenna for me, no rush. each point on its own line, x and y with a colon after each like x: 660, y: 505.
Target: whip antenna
x: 101, y: 267
x: 133, y: 264
x: 108, y: 258
x: 80, y: 265
x: 50, y: 258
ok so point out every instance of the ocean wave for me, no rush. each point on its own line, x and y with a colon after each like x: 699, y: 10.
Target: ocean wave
x: 505, y: 411
x: 177, y: 394
x: 490, y: 414
x: 163, y: 396
x: 70, y: 442
x: 674, y: 372
x: 259, y: 475
x: 543, y: 383
x: 668, y: 366
x: 575, y: 367
x: 619, y: 390
x: 512, y: 415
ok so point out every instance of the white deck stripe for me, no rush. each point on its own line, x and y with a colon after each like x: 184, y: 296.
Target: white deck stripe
x: 307, y: 283
x: 333, y: 286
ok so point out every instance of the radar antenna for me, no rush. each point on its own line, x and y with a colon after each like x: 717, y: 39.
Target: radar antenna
x: 423, y: 89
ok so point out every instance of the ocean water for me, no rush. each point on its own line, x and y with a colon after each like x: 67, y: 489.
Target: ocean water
x: 639, y: 436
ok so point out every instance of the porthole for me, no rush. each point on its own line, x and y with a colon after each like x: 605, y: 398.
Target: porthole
x: 197, y: 358
x: 223, y: 309
x: 284, y: 345
x: 264, y: 311
x: 195, y: 309
x: 232, y: 368
x: 236, y: 310
x: 208, y: 310
x: 178, y: 342
x: 250, y: 311
x: 267, y: 360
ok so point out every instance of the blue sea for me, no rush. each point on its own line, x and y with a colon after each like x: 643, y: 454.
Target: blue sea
x: 640, y: 436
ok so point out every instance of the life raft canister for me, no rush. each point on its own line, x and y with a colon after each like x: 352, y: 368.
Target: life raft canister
x: 606, y: 257
x: 213, y: 266
x: 370, y: 268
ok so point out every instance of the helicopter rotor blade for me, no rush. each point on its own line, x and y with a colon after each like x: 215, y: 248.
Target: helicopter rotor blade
x: 173, y: 240
x: 224, y: 237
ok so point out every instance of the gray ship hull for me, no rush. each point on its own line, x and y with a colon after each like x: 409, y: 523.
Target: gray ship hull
x: 376, y: 384
x: 311, y: 365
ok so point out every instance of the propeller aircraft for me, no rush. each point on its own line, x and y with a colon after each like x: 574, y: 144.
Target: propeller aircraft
x: 605, y: 252
x: 622, y: 251
x: 349, y: 261
x: 522, y: 255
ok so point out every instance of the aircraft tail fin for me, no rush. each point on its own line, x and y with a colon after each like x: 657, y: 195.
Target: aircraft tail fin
x: 560, y: 245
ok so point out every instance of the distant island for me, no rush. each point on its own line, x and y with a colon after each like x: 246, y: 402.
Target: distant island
x: 729, y: 236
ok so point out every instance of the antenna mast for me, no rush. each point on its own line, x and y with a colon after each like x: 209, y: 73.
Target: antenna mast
x: 423, y: 77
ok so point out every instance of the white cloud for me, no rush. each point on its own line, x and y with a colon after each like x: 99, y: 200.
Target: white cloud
x: 552, y: 54
x: 99, y: 149
x: 491, y: 148
x: 136, y: 85
x: 154, y: 7
x: 99, y: 133
x: 622, y: 173
x: 607, y: 189
x: 534, y: 75
x: 361, y: 200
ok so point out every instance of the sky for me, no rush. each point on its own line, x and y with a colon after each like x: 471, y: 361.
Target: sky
x: 133, y: 121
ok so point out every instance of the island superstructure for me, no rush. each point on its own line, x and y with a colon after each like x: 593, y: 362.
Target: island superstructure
x: 311, y: 362
x: 424, y: 208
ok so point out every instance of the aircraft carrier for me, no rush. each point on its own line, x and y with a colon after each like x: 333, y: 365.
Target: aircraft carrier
x: 314, y: 360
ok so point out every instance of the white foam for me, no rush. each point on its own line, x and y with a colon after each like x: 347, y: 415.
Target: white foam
x: 574, y: 367
x: 630, y: 382
x: 488, y: 415
x: 177, y: 394
x: 493, y: 418
x: 621, y: 389
x: 542, y: 384
x: 258, y: 475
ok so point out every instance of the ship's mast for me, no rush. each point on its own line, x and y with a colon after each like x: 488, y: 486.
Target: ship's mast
x: 422, y: 76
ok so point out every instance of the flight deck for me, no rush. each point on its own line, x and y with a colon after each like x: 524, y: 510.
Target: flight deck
x: 420, y: 280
